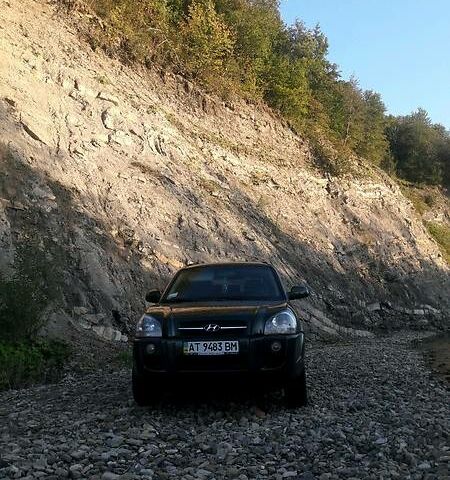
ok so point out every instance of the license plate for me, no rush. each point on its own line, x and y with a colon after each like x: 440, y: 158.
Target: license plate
x: 226, y: 347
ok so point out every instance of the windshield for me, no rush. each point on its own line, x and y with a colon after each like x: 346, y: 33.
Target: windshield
x: 225, y: 282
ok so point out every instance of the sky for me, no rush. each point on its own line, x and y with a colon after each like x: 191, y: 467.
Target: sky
x: 399, y: 48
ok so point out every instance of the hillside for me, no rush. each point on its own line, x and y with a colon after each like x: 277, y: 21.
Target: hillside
x: 113, y: 177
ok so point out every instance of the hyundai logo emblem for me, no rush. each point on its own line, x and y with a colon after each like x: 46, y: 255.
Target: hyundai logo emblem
x: 212, y: 327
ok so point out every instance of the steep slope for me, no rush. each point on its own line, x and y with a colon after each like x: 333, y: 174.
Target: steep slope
x: 117, y: 177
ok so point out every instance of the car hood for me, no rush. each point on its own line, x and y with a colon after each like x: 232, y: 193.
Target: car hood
x: 197, y: 315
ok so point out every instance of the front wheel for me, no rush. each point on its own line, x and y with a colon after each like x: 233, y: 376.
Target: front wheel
x: 296, y: 392
x: 140, y: 390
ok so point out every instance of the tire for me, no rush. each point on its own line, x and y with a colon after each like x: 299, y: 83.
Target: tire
x: 296, y: 392
x: 140, y: 390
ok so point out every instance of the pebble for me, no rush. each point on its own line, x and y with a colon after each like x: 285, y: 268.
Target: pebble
x: 424, y: 466
x: 110, y: 476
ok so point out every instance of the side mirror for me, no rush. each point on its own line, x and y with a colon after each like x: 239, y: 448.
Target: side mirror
x: 153, y: 296
x: 299, y: 291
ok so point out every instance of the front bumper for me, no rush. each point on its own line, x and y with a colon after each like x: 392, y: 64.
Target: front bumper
x: 255, y: 360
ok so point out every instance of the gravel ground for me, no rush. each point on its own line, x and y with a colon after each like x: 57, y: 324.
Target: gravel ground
x: 376, y: 413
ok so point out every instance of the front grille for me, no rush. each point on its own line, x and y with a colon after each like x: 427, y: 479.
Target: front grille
x: 203, y: 329
x: 195, y: 329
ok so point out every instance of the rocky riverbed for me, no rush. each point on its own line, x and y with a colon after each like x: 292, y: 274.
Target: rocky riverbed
x: 376, y: 412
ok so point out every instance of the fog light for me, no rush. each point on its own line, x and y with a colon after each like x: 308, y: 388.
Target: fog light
x: 276, y: 346
x: 150, y: 349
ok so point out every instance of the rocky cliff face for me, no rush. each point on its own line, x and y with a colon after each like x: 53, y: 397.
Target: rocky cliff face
x: 118, y: 177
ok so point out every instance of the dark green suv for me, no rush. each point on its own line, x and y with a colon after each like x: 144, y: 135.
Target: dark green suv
x: 216, y: 321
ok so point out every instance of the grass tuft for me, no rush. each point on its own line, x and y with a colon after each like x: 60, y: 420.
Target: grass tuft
x: 441, y: 233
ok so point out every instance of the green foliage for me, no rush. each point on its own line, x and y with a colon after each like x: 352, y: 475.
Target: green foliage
x: 424, y: 200
x: 420, y: 148
x: 206, y: 41
x: 144, y: 28
x: 335, y: 161
x: 441, y: 233
x: 27, y: 291
x: 351, y: 128
x: 256, y: 25
x: 124, y: 359
x: 24, y: 363
x: 374, y: 145
x: 416, y: 197
x: 287, y: 91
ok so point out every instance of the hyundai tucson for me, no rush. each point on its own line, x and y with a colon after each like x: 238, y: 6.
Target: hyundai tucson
x: 219, y: 321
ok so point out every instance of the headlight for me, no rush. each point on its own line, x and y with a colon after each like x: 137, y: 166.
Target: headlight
x: 282, y: 323
x: 148, y: 327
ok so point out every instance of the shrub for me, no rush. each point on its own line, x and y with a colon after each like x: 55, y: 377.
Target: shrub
x: 26, y: 294
x: 143, y: 25
x: 333, y: 160
x: 138, y: 31
x: 206, y: 41
x: 27, y: 290
x: 441, y: 233
x: 24, y: 363
x: 124, y: 359
x: 430, y: 199
x: 414, y: 194
x: 422, y: 198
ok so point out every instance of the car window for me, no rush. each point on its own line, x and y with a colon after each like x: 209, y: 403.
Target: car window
x: 224, y: 282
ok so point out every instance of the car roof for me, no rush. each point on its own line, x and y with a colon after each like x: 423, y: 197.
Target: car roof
x: 228, y: 264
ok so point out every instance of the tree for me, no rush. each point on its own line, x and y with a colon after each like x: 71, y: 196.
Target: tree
x: 206, y: 40
x: 287, y: 88
x: 349, y: 114
x: 443, y: 153
x: 257, y: 26
x: 374, y: 144
x: 309, y: 48
x: 143, y: 26
x: 416, y: 145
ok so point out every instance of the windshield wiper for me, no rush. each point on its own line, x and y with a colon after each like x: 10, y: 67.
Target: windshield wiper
x: 224, y: 299
x: 211, y: 299
x: 179, y: 300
